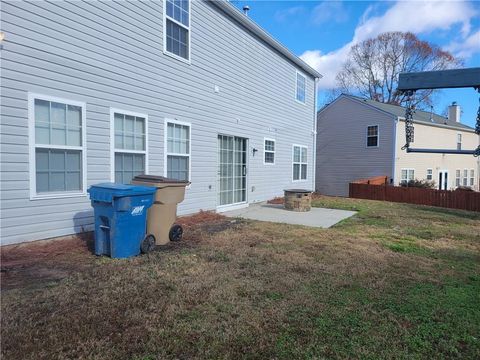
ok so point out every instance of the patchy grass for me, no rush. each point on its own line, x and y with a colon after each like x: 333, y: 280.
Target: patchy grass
x: 394, y: 281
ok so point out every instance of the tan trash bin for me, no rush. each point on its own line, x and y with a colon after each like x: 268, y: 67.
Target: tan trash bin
x: 163, y: 213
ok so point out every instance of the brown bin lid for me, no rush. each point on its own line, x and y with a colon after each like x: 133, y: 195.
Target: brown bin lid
x: 155, y: 179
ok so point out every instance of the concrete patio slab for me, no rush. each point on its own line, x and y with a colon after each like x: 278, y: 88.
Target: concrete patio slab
x: 317, y: 217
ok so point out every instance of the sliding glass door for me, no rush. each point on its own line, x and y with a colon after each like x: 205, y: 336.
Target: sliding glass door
x: 232, y: 170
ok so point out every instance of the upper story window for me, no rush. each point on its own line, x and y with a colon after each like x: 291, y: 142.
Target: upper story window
x: 299, y: 163
x: 130, y: 145
x: 57, y: 147
x: 372, y: 136
x: 459, y: 141
x: 300, y: 88
x: 269, y: 151
x: 178, y: 141
x: 177, y: 29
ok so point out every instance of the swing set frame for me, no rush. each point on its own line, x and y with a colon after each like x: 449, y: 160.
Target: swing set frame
x: 409, y: 83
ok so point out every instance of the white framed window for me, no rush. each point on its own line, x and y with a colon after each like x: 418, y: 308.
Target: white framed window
x: 176, y: 29
x: 372, y: 136
x: 459, y: 141
x: 178, y: 139
x: 299, y: 163
x: 407, y: 175
x: 268, y: 151
x: 128, y: 145
x: 429, y: 174
x: 457, y: 177
x: 300, y: 88
x: 57, y: 147
x: 465, y: 177
x: 472, y: 177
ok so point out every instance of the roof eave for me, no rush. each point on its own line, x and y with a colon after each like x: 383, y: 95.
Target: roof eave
x: 445, y: 126
x: 231, y: 10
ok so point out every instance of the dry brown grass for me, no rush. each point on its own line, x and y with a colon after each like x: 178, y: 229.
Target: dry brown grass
x: 381, y: 284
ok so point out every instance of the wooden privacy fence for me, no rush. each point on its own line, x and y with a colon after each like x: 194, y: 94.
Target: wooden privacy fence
x: 464, y: 200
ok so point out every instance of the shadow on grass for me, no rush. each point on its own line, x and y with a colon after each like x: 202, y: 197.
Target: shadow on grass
x: 471, y: 215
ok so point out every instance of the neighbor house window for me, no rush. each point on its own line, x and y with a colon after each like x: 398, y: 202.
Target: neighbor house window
x: 457, y: 178
x: 299, y: 163
x: 269, y: 151
x: 130, y: 145
x: 429, y: 174
x: 177, y: 28
x: 372, y: 136
x: 407, y: 175
x: 459, y: 141
x: 57, y: 146
x: 472, y: 177
x: 178, y: 151
x: 300, y: 88
x: 465, y: 177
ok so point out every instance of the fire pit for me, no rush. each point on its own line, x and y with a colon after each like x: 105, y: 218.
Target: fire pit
x: 298, y: 200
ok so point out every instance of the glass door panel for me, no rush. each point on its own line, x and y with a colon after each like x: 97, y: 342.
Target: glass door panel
x: 232, y: 171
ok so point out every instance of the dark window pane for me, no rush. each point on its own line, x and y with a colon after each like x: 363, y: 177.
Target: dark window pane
x: 177, y: 167
x: 269, y: 157
x: 55, y: 169
x: 128, y: 166
x: 177, y: 39
x: 372, y: 141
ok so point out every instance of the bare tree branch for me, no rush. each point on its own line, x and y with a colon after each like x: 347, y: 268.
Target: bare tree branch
x: 373, y: 67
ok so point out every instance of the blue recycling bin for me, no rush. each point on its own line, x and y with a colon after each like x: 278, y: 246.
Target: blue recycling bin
x: 120, y: 218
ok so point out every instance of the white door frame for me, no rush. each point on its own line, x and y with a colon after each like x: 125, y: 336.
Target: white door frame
x: 441, y: 185
x: 243, y: 204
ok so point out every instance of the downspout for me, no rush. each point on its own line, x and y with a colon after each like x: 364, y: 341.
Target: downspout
x: 314, y: 133
x: 395, y: 124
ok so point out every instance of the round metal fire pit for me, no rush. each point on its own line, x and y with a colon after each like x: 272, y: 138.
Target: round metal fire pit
x: 298, y: 200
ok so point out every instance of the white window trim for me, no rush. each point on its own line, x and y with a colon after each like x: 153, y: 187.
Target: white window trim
x: 296, y: 87
x: 459, y: 142
x: 188, y: 28
x: 378, y: 136
x: 301, y: 163
x: 459, y: 177
x: 113, y: 150
x: 269, y: 151
x: 465, y: 179
x: 32, y: 146
x: 427, y: 174
x: 408, y: 170
x: 165, y: 147
x: 470, y: 177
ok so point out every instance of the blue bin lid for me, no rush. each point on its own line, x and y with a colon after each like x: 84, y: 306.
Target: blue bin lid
x: 106, y: 192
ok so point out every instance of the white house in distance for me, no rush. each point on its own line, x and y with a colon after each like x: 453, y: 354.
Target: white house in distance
x: 102, y: 91
x: 359, y: 138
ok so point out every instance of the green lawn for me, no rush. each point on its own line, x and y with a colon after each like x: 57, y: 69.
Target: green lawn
x: 394, y: 281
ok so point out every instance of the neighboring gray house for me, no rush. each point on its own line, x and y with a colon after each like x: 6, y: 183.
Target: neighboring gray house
x: 359, y: 138
x: 101, y: 91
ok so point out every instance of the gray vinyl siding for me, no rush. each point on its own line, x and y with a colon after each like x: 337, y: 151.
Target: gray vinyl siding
x: 110, y: 54
x: 342, y: 153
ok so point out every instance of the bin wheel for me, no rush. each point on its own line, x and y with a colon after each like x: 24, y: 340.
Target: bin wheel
x: 176, y: 233
x: 148, y: 244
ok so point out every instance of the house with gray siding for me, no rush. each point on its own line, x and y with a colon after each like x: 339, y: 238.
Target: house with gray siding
x: 95, y: 91
x: 361, y: 138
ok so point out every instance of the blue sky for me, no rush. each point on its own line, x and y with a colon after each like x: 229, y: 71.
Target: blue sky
x: 321, y: 33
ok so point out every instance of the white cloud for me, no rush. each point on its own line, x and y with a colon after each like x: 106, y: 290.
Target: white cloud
x: 287, y: 14
x: 329, y: 11
x: 467, y: 47
x: 416, y: 17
